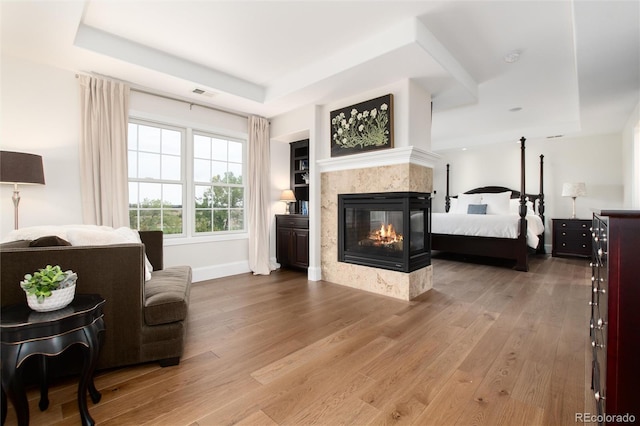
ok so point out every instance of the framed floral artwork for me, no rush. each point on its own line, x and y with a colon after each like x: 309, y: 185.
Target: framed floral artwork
x: 362, y: 127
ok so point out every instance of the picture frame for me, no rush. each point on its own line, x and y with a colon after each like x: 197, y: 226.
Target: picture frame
x: 362, y: 127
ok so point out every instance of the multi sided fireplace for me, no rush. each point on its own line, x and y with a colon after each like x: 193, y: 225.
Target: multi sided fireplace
x: 388, y: 230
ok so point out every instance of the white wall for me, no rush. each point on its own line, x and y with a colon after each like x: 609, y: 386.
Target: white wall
x: 595, y: 160
x: 631, y: 160
x: 40, y: 114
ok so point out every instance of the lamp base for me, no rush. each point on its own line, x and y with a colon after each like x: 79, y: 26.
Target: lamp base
x: 16, y: 201
x: 573, y: 215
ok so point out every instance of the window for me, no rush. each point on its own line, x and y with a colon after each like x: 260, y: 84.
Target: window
x: 218, y: 183
x: 156, y: 185
x: 160, y: 181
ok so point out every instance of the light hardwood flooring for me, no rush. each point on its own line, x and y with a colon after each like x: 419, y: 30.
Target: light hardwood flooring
x: 486, y: 346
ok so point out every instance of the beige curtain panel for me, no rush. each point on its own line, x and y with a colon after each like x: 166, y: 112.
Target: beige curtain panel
x: 259, y: 211
x: 103, y: 151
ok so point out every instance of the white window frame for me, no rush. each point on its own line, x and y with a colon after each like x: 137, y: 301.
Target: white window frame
x: 182, y: 181
x: 193, y: 183
x: 189, y: 236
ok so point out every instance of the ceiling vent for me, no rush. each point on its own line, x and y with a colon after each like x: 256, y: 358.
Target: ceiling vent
x: 202, y: 92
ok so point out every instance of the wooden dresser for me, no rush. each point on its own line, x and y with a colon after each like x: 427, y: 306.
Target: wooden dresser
x: 615, y: 313
x: 571, y: 237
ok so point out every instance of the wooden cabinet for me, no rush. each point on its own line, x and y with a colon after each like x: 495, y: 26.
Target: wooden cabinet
x: 571, y: 237
x: 292, y: 240
x: 299, y: 170
x: 615, y: 314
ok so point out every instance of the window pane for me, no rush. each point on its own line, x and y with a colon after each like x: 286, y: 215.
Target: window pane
x: 202, y: 196
x: 220, y: 196
x: 148, y: 139
x: 150, y: 220
x: 202, y: 170
x: 203, y: 221
x: 218, y: 171
x: 235, y: 173
x: 133, y: 219
x: 172, y: 221
x: 133, y: 194
x: 172, y: 195
x: 132, y: 164
x: 150, y: 194
x: 220, y: 220
x: 219, y: 149
x: 132, y: 136
x: 149, y: 166
x: 201, y: 147
x: 170, y: 167
x: 235, y: 152
x: 171, y: 141
x: 237, y: 197
x: 237, y: 220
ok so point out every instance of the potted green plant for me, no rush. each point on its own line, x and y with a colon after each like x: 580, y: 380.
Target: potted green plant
x: 49, y: 288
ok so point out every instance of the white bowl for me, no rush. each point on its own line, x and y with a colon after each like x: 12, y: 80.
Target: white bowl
x: 58, y: 300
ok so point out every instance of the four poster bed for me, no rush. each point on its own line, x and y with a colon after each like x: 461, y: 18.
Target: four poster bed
x: 493, y: 221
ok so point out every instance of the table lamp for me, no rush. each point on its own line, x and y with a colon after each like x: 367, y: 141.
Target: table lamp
x: 574, y: 190
x: 288, y: 197
x: 20, y: 168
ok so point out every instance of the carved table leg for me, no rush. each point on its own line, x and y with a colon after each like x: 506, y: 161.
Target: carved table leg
x: 44, y: 385
x: 4, y: 406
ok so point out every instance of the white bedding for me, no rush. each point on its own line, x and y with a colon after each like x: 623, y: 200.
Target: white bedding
x: 487, y: 225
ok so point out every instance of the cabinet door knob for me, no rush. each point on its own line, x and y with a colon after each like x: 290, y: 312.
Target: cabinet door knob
x: 598, y: 396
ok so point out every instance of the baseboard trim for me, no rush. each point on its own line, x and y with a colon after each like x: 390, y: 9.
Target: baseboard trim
x: 219, y: 271
x: 314, y: 273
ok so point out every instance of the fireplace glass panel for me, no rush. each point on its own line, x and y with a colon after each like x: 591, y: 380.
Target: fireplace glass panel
x: 385, y: 230
x: 374, y: 232
x: 417, y: 230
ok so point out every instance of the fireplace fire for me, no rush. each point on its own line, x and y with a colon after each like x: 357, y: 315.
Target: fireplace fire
x: 385, y: 230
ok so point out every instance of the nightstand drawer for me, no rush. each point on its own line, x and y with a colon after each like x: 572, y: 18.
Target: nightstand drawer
x: 572, y: 224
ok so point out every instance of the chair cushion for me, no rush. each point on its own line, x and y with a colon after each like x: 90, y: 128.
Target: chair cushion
x: 167, y: 295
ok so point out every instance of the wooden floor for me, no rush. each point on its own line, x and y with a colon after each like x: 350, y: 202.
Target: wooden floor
x: 487, y: 346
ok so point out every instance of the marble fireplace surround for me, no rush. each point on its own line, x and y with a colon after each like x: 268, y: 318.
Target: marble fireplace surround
x: 393, y: 170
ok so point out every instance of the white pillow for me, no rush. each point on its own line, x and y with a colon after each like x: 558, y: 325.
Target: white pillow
x: 497, y: 203
x: 464, y: 200
x: 453, y: 203
x: 101, y: 237
x: 514, y: 206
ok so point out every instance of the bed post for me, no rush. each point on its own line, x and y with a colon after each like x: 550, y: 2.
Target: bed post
x: 541, y: 249
x: 447, y: 198
x: 522, y: 263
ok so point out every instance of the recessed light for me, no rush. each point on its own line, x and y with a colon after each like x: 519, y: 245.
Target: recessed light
x: 515, y: 109
x: 464, y: 149
x: 512, y: 56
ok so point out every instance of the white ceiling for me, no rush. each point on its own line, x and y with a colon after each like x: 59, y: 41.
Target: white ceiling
x: 578, y: 73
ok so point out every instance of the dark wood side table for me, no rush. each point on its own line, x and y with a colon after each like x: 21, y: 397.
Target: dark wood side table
x: 26, y: 333
x: 571, y: 237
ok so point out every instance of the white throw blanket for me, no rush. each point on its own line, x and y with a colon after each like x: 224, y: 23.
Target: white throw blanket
x: 82, y: 235
x: 487, y: 225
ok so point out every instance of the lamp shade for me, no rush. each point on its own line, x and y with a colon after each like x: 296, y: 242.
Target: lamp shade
x: 575, y: 189
x: 20, y: 167
x: 287, y: 196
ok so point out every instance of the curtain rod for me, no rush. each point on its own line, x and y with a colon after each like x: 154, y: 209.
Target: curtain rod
x: 191, y: 104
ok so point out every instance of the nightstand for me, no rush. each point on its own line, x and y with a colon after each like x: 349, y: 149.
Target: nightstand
x: 571, y: 237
